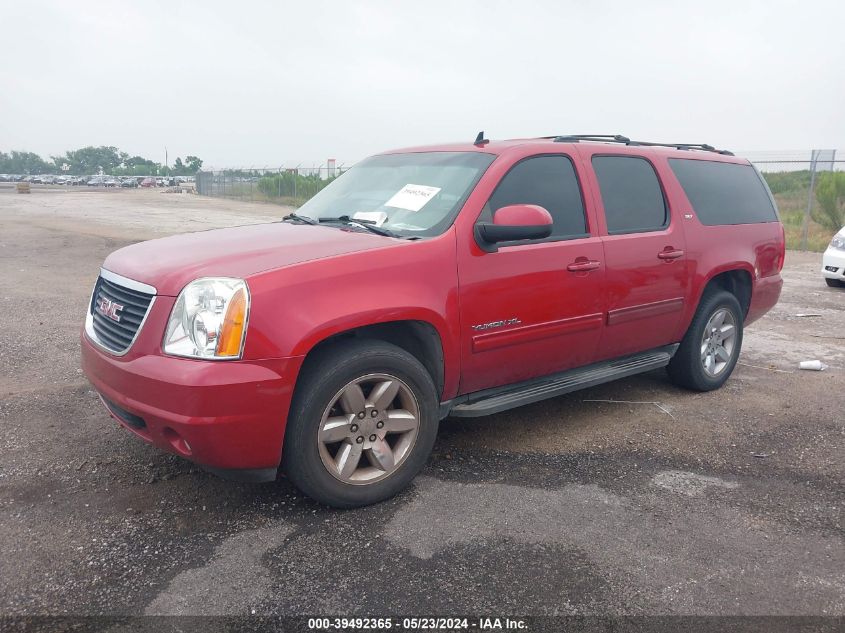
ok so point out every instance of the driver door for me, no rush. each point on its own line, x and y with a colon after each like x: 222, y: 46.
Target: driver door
x: 533, y: 307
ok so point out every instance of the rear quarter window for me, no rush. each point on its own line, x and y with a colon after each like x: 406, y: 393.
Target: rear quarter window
x: 724, y: 193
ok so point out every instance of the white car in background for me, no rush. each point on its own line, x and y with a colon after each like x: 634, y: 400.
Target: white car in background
x: 833, y: 261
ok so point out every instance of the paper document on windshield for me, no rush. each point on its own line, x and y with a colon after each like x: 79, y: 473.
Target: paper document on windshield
x: 376, y: 217
x: 412, y: 197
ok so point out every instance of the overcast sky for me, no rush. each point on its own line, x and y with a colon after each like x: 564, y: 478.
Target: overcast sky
x: 255, y: 84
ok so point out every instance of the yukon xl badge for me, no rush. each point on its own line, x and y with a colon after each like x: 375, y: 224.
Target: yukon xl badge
x: 494, y: 324
x: 109, y: 309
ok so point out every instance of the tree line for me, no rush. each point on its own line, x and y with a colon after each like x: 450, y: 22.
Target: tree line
x: 91, y: 160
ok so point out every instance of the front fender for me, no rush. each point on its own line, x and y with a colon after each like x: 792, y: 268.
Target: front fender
x: 295, y: 308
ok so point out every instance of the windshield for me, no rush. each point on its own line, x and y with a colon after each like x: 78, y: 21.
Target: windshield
x: 415, y: 194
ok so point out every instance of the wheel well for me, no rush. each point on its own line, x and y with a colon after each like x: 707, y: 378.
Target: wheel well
x: 418, y: 338
x: 738, y: 283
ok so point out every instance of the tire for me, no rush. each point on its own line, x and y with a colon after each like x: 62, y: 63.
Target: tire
x: 324, y: 410
x: 694, y: 366
x: 834, y: 283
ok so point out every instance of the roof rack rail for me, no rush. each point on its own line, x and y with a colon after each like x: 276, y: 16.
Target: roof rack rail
x: 618, y: 138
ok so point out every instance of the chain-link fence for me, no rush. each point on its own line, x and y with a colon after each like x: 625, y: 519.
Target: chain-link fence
x: 290, y: 186
x: 806, y: 185
x: 797, y: 160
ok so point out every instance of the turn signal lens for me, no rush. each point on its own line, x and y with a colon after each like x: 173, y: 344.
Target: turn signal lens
x: 232, y: 332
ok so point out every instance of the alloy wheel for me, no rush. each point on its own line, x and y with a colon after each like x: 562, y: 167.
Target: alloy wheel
x: 718, y: 342
x: 368, y: 429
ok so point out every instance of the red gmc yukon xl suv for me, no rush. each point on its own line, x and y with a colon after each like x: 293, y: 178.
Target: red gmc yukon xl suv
x: 456, y: 280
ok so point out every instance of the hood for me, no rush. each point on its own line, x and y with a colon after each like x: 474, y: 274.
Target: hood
x: 170, y: 263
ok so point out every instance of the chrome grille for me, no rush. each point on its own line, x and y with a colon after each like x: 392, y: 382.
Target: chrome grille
x: 117, y: 313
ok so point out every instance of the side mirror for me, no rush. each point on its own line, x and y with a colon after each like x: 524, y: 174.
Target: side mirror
x: 514, y: 222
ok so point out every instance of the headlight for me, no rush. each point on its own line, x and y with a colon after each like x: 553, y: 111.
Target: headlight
x: 209, y: 319
x: 838, y: 242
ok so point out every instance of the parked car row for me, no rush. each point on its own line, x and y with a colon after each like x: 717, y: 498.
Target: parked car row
x: 43, y: 180
x: 99, y: 181
x: 103, y: 181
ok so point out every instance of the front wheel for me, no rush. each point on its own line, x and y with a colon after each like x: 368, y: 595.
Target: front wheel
x: 362, y: 424
x: 834, y: 283
x: 710, y: 349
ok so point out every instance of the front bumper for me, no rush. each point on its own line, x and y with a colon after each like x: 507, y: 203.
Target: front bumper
x: 225, y: 416
x: 833, y: 258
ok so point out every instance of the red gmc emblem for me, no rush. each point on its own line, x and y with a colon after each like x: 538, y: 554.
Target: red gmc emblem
x: 109, y: 308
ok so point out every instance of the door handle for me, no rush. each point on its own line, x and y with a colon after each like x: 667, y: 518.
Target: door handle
x: 670, y: 254
x: 583, y: 265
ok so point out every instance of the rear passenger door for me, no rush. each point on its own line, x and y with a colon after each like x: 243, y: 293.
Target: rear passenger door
x: 647, y: 277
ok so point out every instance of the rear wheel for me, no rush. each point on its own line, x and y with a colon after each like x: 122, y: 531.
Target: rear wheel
x: 362, y: 424
x: 834, y: 283
x: 710, y: 349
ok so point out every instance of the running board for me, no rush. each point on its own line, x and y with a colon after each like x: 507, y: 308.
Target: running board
x: 499, y: 399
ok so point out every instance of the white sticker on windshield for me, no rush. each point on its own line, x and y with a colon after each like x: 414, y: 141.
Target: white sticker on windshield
x: 412, y: 197
x: 376, y: 217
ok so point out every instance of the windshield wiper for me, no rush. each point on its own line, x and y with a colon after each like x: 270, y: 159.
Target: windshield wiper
x: 299, y: 218
x: 369, y: 225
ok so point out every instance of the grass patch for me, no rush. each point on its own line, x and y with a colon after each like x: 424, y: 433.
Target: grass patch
x: 791, y: 190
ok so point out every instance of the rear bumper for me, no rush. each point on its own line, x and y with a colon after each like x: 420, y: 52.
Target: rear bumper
x: 764, y: 296
x: 225, y: 416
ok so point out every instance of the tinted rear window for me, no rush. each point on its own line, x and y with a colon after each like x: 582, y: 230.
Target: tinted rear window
x: 724, y: 193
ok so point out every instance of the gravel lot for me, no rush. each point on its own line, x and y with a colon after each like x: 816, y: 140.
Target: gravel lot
x: 723, y: 503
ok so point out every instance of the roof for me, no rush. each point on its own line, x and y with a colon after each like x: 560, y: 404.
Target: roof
x: 616, y: 142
